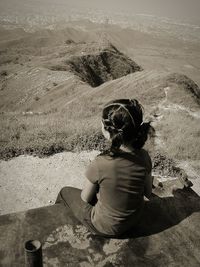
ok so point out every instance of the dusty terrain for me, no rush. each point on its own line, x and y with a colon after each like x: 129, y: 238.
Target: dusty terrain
x: 54, y: 83
x: 29, y: 182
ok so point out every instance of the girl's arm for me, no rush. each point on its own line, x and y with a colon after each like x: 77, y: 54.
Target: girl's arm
x: 148, y: 185
x: 89, y: 191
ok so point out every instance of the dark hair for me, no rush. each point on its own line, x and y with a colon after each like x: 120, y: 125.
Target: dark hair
x: 123, y: 119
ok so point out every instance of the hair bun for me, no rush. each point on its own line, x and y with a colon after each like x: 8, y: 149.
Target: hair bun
x: 141, y: 135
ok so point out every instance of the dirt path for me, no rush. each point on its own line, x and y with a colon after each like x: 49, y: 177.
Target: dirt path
x: 29, y: 182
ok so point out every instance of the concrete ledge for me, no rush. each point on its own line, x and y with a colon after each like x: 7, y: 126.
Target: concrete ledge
x: 167, y: 236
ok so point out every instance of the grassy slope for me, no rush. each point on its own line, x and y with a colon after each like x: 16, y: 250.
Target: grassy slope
x: 76, y: 125
x: 59, y: 112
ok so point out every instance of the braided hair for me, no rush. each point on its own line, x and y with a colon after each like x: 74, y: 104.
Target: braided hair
x: 123, y: 119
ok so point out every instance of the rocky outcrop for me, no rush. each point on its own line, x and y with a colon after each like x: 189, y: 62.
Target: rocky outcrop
x: 107, y: 64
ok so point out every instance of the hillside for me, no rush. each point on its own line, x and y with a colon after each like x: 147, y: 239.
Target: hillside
x: 55, y: 83
x: 53, y: 86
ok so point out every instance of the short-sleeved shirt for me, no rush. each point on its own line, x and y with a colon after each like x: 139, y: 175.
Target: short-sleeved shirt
x: 121, y: 181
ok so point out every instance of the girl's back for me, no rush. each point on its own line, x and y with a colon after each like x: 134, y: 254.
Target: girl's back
x: 121, y: 181
x: 121, y: 175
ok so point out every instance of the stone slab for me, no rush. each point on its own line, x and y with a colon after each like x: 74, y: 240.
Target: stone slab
x: 168, y: 235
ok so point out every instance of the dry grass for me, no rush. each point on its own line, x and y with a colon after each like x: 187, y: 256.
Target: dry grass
x: 48, y: 134
x: 181, y: 135
x: 54, y: 125
x: 77, y: 125
x: 184, y: 82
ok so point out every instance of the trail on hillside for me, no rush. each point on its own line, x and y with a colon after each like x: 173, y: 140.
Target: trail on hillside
x: 167, y: 105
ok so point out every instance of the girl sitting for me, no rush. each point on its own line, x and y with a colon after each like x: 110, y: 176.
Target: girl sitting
x: 117, y: 180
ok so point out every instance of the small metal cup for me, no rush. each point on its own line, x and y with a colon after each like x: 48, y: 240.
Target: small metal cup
x: 33, y: 253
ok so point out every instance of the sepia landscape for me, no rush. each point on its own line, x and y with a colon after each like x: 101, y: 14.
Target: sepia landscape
x: 59, y: 66
x: 61, y: 61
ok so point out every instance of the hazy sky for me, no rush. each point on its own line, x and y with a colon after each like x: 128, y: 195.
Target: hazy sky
x: 188, y: 10
x: 170, y: 8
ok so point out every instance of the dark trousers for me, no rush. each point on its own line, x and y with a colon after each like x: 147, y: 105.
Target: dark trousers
x: 71, y: 198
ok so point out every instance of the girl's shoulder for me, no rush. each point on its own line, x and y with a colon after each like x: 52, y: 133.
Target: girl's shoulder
x: 140, y: 156
x: 104, y: 161
x: 142, y: 153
